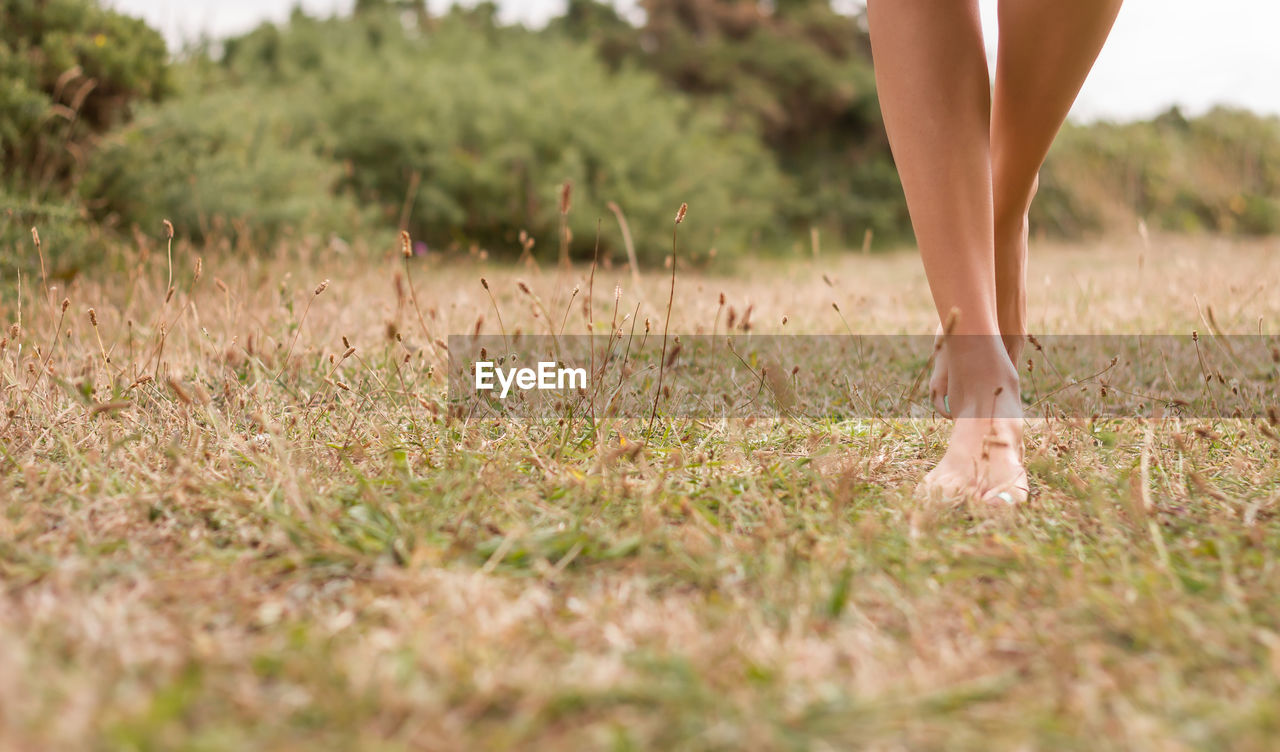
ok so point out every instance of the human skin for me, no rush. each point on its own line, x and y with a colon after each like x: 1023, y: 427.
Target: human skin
x: 969, y: 156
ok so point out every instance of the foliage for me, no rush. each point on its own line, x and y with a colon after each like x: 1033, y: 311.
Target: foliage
x: 420, y: 121
x: 796, y: 74
x: 69, y: 69
x: 70, y: 241
x: 762, y: 115
x: 228, y: 163
x: 1219, y: 172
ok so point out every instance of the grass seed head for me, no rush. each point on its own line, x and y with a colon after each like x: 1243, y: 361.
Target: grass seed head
x: 168, y: 229
x: 680, y: 214
x: 180, y: 392
x: 949, y: 325
x: 406, y: 244
x: 322, y: 287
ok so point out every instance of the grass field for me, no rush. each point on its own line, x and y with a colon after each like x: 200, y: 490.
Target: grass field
x: 221, y: 529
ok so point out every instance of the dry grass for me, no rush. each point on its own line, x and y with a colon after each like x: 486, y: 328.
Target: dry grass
x: 199, y: 554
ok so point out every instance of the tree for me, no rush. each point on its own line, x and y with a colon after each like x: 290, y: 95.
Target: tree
x: 795, y: 73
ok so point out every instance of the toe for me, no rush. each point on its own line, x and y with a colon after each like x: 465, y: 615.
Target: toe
x: 1010, y: 494
x: 940, y: 485
x: 938, y: 393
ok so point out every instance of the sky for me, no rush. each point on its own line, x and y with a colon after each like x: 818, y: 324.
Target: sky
x: 1189, y: 53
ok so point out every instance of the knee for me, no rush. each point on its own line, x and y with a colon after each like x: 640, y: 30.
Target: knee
x: 1012, y: 198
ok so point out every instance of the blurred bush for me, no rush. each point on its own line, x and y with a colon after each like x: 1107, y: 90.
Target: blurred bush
x: 464, y: 127
x: 71, y: 242
x: 227, y: 164
x: 69, y: 71
x: 1219, y: 172
x: 762, y: 115
x: 793, y: 73
x: 799, y: 76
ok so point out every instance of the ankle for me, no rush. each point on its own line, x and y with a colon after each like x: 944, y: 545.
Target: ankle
x: 1015, y: 340
x: 983, y: 381
x: 1012, y: 318
x: 1011, y: 290
x: 979, y: 354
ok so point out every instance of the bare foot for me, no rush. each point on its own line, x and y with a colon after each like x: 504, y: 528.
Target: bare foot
x: 984, y: 458
x: 983, y: 462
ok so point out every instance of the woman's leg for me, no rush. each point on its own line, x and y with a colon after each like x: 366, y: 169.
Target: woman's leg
x: 935, y: 95
x: 1046, y: 50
